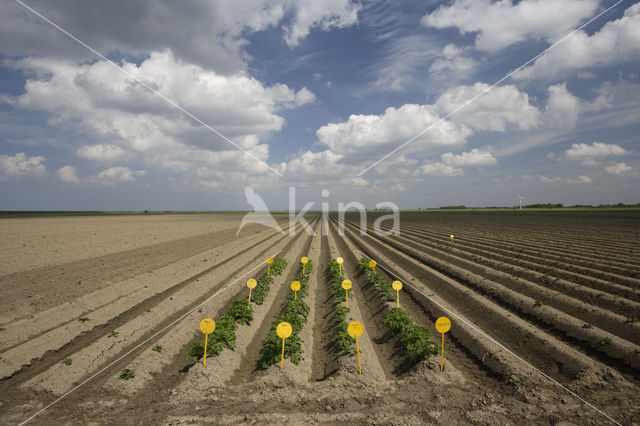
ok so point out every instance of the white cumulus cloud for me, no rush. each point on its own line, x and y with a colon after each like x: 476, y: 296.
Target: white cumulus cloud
x: 68, y: 174
x: 617, y: 169
x: 115, y: 175
x: 101, y: 152
x: 471, y: 158
x: 496, y: 109
x: 499, y: 24
x: 20, y: 164
x: 589, y: 153
x: 326, y: 15
x: 616, y: 42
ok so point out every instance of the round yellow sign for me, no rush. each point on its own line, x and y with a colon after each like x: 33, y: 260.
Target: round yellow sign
x: 304, y: 260
x: 346, y: 284
x: 443, y: 324
x: 207, y: 325
x: 451, y: 236
x: 295, y: 286
x: 269, y: 260
x: 372, y: 264
x: 397, y: 285
x: 355, y: 329
x: 252, y: 283
x: 284, y: 330
x: 339, y: 260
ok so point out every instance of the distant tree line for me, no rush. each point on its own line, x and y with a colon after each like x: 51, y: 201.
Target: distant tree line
x: 543, y: 206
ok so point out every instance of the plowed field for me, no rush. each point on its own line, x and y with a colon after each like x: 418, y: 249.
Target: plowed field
x: 545, y: 312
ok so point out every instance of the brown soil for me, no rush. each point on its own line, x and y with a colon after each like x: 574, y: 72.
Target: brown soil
x: 150, y: 279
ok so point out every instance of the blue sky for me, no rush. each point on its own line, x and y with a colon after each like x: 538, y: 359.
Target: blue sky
x: 318, y: 92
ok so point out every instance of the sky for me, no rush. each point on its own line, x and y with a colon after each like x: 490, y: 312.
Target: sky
x: 166, y: 105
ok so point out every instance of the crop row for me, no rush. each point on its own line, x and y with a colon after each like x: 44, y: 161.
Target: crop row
x: 240, y: 312
x: 295, y: 313
x: 415, y: 338
x: 341, y: 338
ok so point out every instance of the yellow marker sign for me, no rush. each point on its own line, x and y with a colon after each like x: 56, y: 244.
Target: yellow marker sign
x: 283, y: 330
x: 355, y: 330
x: 451, y: 237
x: 251, y: 283
x: 340, y: 261
x: 372, y: 265
x: 295, y: 286
x: 397, y: 286
x: 443, y: 324
x: 304, y: 261
x: 346, y: 284
x: 207, y: 326
x: 269, y: 262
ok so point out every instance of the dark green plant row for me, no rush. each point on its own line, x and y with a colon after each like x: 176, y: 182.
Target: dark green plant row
x: 240, y: 312
x: 264, y: 283
x: 295, y: 313
x: 344, y: 342
x: 378, y: 282
x: 224, y: 336
x: 416, y: 338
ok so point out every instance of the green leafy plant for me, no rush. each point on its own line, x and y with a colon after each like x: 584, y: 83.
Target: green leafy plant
x: 295, y: 313
x: 127, y: 374
x: 83, y: 319
x: 586, y: 326
x: 343, y: 341
x: 157, y: 348
x: 2, y: 329
x: 631, y: 320
x: 241, y: 311
x: 538, y: 303
x: 113, y: 334
x: 606, y: 341
x: 67, y: 361
x: 513, y: 381
x: 378, y: 282
x: 417, y: 339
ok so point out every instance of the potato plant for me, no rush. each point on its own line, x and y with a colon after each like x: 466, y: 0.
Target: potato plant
x: 344, y: 342
x: 378, y: 282
x: 417, y: 339
x: 264, y: 283
x: 224, y: 336
x: 295, y: 313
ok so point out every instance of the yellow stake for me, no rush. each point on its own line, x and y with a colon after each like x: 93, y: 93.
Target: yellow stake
x: 442, y: 354
x: 304, y: 261
x: 397, y: 286
x: 295, y: 286
x: 451, y: 237
x: 269, y: 262
x: 207, y: 326
x: 283, y: 330
x: 251, y: 283
x: 340, y: 260
x: 372, y: 265
x: 358, y: 352
x: 355, y: 330
x: 204, y: 363
x: 346, y: 284
x: 443, y: 324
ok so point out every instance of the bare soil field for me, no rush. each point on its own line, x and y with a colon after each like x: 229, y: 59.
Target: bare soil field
x: 544, y: 305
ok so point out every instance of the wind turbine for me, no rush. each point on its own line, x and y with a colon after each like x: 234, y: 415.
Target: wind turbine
x: 520, y: 198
